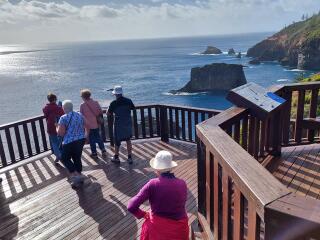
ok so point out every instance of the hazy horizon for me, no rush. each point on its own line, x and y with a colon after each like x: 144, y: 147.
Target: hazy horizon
x: 37, y: 21
x: 137, y: 39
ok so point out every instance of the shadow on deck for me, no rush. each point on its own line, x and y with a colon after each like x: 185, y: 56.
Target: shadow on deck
x: 37, y: 202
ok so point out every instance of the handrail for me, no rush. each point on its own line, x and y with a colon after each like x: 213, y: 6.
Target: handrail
x: 19, y: 122
x: 207, y: 110
x: 234, y: 186
x: 231, y: 156
x: 22, y: 139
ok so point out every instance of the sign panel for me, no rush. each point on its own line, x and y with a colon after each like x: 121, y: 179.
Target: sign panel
x: 253, y: 96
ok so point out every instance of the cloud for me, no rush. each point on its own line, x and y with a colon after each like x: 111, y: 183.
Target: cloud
x: 61, y: 21
x: 36, y: 10
x: 98, y: 12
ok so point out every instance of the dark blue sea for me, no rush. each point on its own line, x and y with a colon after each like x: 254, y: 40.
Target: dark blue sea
x: 147, y: 70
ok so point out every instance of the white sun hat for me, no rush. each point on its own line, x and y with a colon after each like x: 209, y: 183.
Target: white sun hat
x: 117, y: 90
x: 163, y: 161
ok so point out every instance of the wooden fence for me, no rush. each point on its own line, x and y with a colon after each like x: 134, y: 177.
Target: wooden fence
x: 237, y: 197
x: 302, y: 106
x: 23, y: 139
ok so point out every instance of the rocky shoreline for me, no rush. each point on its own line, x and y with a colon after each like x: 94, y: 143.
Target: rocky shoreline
x: 296, y: 46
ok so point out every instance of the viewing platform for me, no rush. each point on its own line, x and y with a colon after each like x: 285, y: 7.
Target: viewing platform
x: 40, y: 204
x: 248, y: 178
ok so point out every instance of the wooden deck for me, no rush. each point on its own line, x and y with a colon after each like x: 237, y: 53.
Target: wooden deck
x: 299, y: 169
x: 37, y: 202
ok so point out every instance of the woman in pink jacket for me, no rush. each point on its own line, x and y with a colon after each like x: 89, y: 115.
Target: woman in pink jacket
x: 91, y: 109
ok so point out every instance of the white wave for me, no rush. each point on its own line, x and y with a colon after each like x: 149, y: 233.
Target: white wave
x: 183, y: 93
x: 294, y: 70
x: 33, y: 72
x: 202, y: 54
x: 48, y: 74
x: 194, y: 54
x: 283, y: 80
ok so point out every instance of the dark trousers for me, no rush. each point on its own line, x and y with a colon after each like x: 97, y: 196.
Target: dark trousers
x: 94, y: 137
x: 71, y: 155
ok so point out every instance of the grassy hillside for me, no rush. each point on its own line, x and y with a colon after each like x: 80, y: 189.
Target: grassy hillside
x: 296, y: 46
x: 308, y: 29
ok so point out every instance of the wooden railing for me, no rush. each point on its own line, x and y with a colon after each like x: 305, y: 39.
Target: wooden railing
x: 258, y: 137
x: 238, y: 198
x: 27, y: 138
x: 23, y: 139
x: 233, y: 188
x: 301, y: 107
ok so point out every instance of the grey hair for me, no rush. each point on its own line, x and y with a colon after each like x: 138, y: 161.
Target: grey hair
x: 67, y: 106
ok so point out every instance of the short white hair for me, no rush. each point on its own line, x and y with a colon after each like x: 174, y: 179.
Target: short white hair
x: 67, y: 106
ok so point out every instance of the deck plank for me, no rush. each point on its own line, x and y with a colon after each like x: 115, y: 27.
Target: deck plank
x: 38, y: 203
x: 300, y: 169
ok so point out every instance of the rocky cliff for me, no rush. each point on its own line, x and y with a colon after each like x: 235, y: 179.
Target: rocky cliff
x: 297, y: 45
x: 216, y: 76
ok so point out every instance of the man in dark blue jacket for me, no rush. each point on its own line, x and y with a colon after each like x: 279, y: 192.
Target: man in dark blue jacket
x: 121, y: 108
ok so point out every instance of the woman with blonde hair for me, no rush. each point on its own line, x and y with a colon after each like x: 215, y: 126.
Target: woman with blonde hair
x: 92, y: 112
x: 167, y: 196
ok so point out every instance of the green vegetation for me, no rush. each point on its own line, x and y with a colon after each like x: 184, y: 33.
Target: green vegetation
x: 309, y: 29
x: 307, y: 99
x: 312, y: 78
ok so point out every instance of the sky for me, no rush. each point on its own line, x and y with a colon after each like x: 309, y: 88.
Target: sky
x: 31, y: 21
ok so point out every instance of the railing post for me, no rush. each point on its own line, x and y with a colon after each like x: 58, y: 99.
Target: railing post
x: 164, y: 124
x: 277, y: 133
x: 110, y: 119
x: 201, y: 169
x: 286, y: 116
x: 292, y: 217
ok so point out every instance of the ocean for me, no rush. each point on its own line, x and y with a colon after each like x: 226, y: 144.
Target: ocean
x: 147, y: 70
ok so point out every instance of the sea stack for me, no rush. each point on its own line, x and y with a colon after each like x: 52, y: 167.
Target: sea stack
x: 239, y: 55
x: 212, y: 50
x: 231, y: 51
x: 216, y: 76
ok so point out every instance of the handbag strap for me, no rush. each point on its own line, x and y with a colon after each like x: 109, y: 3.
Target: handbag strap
x: 67, y: 126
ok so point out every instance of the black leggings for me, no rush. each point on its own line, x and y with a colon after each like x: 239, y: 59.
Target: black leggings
x: 73, y: 151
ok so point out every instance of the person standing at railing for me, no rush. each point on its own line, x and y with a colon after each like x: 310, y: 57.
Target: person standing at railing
x: 52, y: 112
x: 71, y: 128
x: 121, y: 108
x: 167, y: 196
x: 92, y: 112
